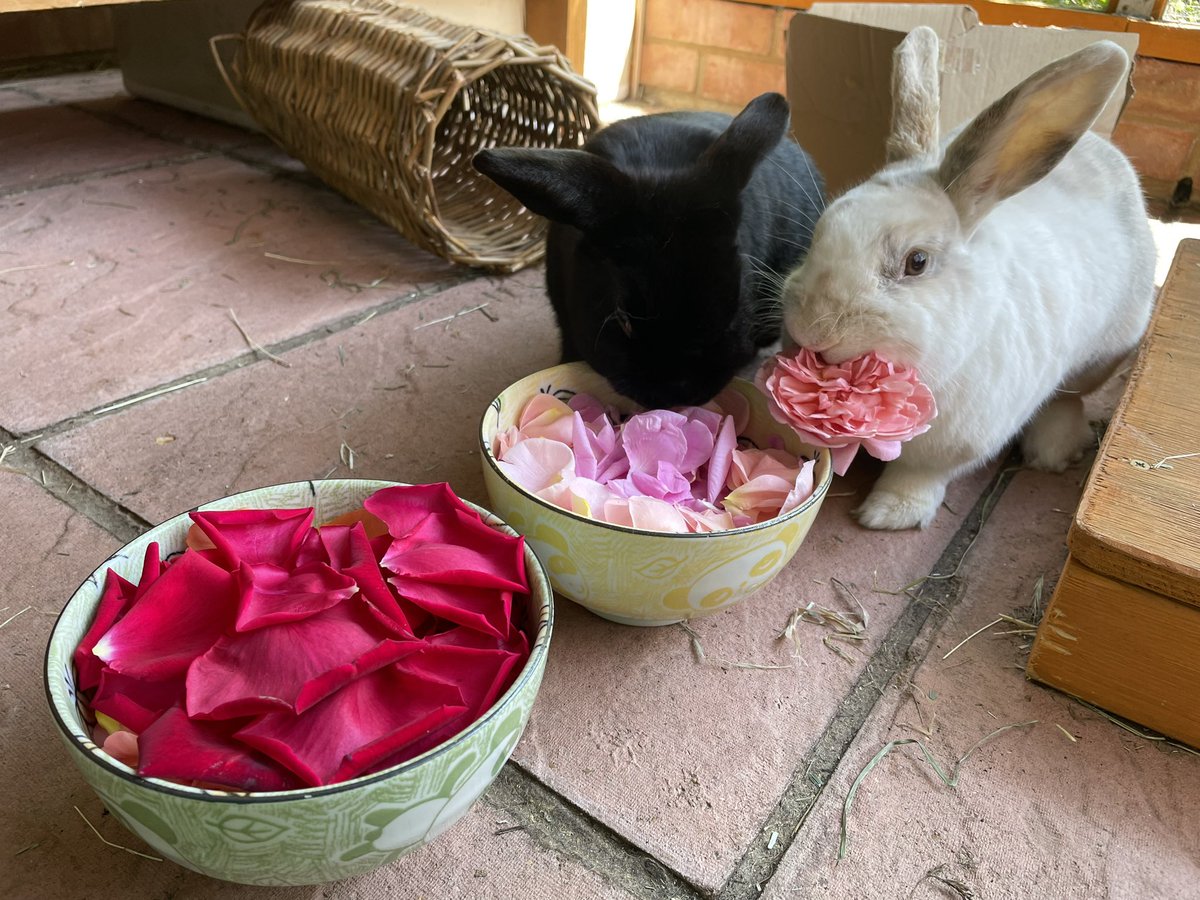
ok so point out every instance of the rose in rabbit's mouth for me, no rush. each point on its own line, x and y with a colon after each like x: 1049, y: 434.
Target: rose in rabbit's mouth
x: 861, y: 402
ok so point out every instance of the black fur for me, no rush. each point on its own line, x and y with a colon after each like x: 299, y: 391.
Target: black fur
x: 662, y: 228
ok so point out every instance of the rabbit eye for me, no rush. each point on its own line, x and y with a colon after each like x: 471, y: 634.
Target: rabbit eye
x: 915, y: 262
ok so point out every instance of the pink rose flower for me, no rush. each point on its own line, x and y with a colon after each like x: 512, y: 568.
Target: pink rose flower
x: 866, y: 402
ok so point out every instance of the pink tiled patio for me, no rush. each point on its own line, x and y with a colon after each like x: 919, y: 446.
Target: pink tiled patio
x: 142, y: 250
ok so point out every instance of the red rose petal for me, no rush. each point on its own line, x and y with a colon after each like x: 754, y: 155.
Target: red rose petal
x: 135, y: 702
x: 350, y: 552
x: 181, y: 616
x: 152, y: 568
x: 290, y: 666
x: 482, y: 673
x: 271, y: 594
x: 403, y: 507
x: 114, y: 602
x: 311, y: 549
x: 255, y: 536
x: 483, y: 609
x: 458, y: 549
x: 516, y: 642
x: 177, y: 748
x: 368, y: 720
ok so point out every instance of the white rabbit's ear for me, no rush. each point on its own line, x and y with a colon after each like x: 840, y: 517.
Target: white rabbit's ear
x: 915, y: 96
x: 1021, y: 137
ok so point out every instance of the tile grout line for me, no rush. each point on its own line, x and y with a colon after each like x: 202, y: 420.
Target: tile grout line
x: 894, y: 654
x: 203, y: 149
x: 71, y: 490
x: 247, y: 358
x: 556, y: 824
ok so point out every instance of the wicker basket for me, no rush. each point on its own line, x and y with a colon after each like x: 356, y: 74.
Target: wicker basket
x: 387, y: 104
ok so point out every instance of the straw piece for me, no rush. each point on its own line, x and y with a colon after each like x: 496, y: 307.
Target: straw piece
x: 950, y: 781
x: 109, y: 843
x: 255, y: 345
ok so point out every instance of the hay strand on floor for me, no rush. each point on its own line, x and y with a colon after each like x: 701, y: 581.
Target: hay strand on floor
x: 255, y: 345
x: 973, y: 634
x: 949, y: 781
x: 109, y: 843
x: 15, y: 615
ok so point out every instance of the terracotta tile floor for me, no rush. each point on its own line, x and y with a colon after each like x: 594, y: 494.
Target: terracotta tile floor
x: 131, y: 235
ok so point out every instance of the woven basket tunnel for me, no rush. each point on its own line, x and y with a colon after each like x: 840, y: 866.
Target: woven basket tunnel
x: 388, y: 104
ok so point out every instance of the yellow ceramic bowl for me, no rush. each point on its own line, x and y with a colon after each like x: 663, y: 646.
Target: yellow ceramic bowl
x: 640, y: 577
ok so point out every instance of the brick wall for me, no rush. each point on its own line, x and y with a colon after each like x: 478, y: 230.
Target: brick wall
x: 1160, y: 128
x: 711, y: 54
x: 718, y: 54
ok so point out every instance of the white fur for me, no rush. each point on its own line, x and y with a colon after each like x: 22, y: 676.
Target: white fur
x: 1010, y: 322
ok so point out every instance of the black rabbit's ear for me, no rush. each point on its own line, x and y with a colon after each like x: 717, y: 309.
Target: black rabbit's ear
x: 753, y: 133
x: 568, y: 186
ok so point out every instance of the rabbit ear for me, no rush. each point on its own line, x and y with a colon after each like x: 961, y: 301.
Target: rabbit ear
x: 1021, y: 137
x: 915, y: 97
x: 573, y: 187
x: 753, y: 133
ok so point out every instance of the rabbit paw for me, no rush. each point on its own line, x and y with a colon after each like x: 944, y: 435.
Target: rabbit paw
x: 901, y: 502
x: 1058, y: 436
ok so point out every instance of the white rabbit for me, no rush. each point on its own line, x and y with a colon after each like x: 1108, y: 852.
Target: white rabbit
x: 1013, y: 268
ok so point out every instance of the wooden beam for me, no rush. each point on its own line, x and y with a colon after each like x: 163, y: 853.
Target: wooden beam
x: 562, y: 23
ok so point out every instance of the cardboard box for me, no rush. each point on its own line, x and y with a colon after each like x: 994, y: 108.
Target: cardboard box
x: 839, y: 75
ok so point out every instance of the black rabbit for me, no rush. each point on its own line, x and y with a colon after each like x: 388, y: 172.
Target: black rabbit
x: 669, y: 237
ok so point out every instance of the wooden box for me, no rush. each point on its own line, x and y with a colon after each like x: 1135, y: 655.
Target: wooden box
x: 1123, y: 628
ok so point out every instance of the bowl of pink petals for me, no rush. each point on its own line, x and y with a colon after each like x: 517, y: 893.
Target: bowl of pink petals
x: 648, y: 517
x: 301, y: 683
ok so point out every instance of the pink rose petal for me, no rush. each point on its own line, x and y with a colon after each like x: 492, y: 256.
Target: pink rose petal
x: 545, y: 416
x: 538, y: 463
x: 123, y: 747
x: 722, y: 459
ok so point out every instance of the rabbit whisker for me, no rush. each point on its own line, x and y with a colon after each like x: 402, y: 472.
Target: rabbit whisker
x: 799, y: 183
x: 780, y: 237
x: 805, y: 226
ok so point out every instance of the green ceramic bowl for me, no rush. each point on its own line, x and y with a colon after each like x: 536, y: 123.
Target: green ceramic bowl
x: 640, y: 577
x: 304, y: 836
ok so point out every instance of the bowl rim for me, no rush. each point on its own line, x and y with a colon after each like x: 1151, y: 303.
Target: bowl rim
x: 537, y: 653
x: 817, y: 495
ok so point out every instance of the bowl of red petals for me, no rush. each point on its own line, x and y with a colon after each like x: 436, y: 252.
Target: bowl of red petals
x: 301, y: 683
x: 649, y: 517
